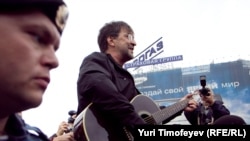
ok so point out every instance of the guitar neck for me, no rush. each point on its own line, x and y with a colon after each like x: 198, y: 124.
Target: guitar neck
x: 169, y: 111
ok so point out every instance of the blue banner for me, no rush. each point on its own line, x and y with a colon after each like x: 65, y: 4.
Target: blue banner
x: 148, y: 55
x: 231, y: 80
x: 153, y: 61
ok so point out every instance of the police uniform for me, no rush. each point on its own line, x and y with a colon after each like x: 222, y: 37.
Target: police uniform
x: 16, y: 129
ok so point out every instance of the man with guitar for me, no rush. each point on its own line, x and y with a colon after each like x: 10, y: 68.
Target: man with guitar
x: 107, y: 97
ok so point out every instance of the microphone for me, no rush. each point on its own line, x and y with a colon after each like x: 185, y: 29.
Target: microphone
x: 229, y: 120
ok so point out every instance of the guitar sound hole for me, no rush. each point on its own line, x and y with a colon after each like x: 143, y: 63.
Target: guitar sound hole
x: 144, y: 116
x: 147, y: 117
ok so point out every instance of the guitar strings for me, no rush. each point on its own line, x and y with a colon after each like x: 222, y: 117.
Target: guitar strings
x: 162, y: 114
x: 149, y: 120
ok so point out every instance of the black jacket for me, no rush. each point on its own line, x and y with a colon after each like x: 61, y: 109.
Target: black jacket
x: 109, y: 88
x: 217, y: 110
x: 18, y: 130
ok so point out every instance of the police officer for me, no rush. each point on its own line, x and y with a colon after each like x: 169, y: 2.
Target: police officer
x: 30, y: 32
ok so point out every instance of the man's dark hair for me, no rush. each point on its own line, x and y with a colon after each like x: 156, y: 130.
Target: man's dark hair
x: 71, y: 113
x: 111, y: 29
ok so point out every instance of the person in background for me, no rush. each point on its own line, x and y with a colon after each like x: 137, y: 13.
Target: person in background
x: 64, y: 132
x: 104, y: 83
x: 30, y: 32
x: 208, y: 109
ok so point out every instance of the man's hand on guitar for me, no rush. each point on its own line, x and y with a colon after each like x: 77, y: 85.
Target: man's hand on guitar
x: 65, y: 137
x: 192, y: 104
x: 62, y: 128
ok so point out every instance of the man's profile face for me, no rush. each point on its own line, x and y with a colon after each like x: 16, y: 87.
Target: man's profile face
x: 28, y: 42
x: 125, y: 44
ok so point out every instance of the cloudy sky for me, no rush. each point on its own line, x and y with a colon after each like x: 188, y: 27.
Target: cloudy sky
x: 200, y: 30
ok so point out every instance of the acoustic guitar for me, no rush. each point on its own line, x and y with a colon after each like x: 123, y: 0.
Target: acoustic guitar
x: 86, y: 127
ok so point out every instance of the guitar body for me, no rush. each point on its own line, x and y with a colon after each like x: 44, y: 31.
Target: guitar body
x: 86, y: 127
x: 144, y: 106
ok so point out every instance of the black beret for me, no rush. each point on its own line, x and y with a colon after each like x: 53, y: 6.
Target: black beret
x: 56, y: 10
